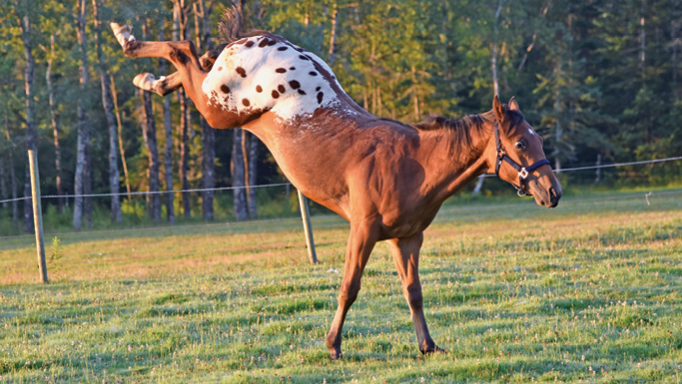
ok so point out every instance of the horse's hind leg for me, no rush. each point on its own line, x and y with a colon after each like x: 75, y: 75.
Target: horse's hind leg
x: 406, y: 256
x: 362, y: 239
x: 183, y: 55
x: 168, y: 84
x: 162, y: 86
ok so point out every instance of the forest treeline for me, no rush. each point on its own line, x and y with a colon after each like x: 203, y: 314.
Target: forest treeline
x: 599, y: 79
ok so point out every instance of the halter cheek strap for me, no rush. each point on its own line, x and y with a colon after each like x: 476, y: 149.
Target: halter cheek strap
x: 522, y: 171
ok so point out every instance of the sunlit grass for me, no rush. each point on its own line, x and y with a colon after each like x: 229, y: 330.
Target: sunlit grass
x: 586, y: 292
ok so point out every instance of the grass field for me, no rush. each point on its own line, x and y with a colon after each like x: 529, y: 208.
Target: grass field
x: 587, y: 292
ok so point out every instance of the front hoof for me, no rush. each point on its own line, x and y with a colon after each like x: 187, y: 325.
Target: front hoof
x: 434, y: 349
x: 335, y: 354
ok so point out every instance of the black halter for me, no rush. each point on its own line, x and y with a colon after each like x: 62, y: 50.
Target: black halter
x: 523, y: 171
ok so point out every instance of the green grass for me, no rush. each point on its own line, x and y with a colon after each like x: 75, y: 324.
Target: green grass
x: 587, y: 292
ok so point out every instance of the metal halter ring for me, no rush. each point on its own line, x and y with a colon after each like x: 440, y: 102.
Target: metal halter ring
x: 523, y: 173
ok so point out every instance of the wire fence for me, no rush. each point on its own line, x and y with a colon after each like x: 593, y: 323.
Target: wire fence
x: 143, y: 193
x: 443, y: 213
x: 641, y: 195
x: 136, y: 193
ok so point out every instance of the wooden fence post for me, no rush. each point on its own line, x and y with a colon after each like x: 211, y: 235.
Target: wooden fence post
x: 307, y: 227
x: 37, y: 214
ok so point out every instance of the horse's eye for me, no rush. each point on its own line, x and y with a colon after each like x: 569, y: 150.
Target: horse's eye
x: 520, y: 145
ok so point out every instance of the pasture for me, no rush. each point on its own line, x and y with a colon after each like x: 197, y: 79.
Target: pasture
x: 587, y: 292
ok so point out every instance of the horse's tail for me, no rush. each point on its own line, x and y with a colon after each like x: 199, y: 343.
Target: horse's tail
x: 233, y: 27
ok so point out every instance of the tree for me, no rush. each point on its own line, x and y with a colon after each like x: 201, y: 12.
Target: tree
x: 202, y: 14
x: 238, y: 177
x: 55, y: 125
x: 82, y: 184
x: 31, y: 129
x: 107, y: 101
x: 168, y: 131
x: 567, y: 98
x: 180, y: 33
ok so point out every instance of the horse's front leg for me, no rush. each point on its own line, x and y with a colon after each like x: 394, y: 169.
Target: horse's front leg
x: 362, y: 239
x: 406, y: 256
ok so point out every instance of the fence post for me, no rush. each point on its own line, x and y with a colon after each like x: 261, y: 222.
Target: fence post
x: 307, y: 227
x: 37, y: 214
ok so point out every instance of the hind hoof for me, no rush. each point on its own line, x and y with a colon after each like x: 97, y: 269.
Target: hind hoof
x: 436, y: 349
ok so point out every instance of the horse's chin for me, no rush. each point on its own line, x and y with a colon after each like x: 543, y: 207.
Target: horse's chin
x: 542, y: 202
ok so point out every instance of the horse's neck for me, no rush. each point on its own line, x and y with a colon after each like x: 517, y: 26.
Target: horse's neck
x: 455, y: 162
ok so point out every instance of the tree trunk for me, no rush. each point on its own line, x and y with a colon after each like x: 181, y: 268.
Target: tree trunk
x: 120, y: 135
x: 237, y: 166
x: 180, y: 33
x: 253, y: 174
x: 494, y: 55
x: 332, y: 39
x: 479, y: 185
x: 184, y: 153
x: 81, y: 205
x: 107, y: 101
x: 207, y: 169
x: 558, y: 131
x: 642, y: 39
x: 31, y: 130
x: 203, y: 31
x: 168, y: 155
x: 12, y: 177
x: 55, y: 126
x: 149, y: 126
x: 532, y: 42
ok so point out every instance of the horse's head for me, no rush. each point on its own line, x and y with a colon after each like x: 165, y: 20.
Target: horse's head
x: 517, y: 156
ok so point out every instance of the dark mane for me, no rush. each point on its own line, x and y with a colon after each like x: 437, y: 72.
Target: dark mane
x: 233, y: 27
x: 460, y: 128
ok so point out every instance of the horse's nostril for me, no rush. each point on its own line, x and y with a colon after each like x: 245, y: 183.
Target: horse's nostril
x: 553, y: 196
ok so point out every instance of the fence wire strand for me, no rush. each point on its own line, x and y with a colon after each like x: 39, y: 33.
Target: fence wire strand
x: 574, y: 169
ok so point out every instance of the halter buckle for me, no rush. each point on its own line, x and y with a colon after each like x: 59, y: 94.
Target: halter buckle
x: 521, y: 193
x: 523, y: 173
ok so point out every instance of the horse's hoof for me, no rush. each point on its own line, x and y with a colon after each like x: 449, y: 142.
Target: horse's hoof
x: 335, y: 354
x: 435, y: 349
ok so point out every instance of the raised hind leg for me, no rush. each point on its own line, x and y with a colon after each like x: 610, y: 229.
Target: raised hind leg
x: 362, y: 239
x: 168, y: 84
x: 161, y: 86
x: 182, y: 54
x: 406, y: 256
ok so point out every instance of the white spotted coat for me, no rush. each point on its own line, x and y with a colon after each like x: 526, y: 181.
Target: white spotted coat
x: 250, y: 75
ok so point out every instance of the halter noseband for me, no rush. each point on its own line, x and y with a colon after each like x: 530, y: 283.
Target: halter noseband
x: 523, y: 171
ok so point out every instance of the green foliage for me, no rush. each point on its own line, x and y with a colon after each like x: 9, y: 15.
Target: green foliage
x: 574, y: 66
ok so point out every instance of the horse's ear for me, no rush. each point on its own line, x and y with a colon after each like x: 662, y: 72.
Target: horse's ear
x: 499, y: 110
x: 513, y: 105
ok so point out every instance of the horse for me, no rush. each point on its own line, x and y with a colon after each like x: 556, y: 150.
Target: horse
x: 388, y: 179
